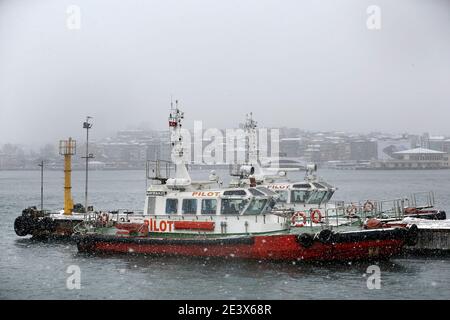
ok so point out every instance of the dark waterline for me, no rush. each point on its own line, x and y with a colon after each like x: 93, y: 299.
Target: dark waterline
x: 37, y: 270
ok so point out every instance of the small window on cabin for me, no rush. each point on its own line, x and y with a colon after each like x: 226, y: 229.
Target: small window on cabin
x: 189, y: 206
x: 266, y: 191
x: 234, y: 193
x: 302, y: 186
x: 209, y: 206
x: 282, y: 196
x: 233, y: 206
x: 256, y: 192
x: 151, y: 205
x: 171, y: 206
x: 299, y: 196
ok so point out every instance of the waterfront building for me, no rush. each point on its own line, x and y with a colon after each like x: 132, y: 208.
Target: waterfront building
x: 387, y: 146
x: 417, y: 158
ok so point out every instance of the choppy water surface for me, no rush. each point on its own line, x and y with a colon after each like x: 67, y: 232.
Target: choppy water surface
x: 36, y: 270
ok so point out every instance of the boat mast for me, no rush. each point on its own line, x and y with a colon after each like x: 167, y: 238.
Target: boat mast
x: 250, y: 130
x: 42, y: 183
x: 176, y: 139
x: 87, y: 125
x: 252, y: 144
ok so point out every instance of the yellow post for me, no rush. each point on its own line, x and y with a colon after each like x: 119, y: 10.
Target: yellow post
x: 67, y: 148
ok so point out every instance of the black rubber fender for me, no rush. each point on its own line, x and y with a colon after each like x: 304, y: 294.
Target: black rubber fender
x: 305, y: 239
x: 441, y: 215
x: 325, y: 236
x: 23, y: 226
x: 412, y: 236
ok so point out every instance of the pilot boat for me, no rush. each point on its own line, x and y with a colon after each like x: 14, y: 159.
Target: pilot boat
x: 310, y: 199
x: 203, y: 219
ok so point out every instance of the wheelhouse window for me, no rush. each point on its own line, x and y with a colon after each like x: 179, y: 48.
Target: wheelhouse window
x: 171, y: 206
x: 256, y: 206
x: 189, y: 206
x: 233, y: 206
x: 282, y: 195
x: 328, y: 196
x: 317, y: 197
x: 209, y: 206
x: 299, y: 196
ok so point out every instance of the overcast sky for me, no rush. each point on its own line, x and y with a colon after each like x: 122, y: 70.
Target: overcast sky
x: 308, y: 64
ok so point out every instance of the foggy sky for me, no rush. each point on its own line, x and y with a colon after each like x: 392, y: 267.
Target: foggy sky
x: 295, y: 63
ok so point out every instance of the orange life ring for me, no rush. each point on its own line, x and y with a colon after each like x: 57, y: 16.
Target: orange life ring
x: 373, y: 224
x: 368, y: 206
x: 316, y: 216
x: 294, y: 220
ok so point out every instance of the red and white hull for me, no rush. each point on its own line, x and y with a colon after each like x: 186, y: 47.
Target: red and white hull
x: 357, y: 245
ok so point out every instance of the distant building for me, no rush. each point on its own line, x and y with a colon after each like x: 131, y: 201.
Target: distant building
x: 290, y: 147
x: 319, y: 151
x: 388, y: 146
x: 418, y: 158
x: 363, y: 150
x: 158, y: 151
x: 439, y: 143
x: 334, y: 150
x: 312, y: 153
x: 446, y: 146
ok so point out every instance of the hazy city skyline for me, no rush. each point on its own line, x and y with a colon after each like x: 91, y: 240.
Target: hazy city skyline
x: 312, y: 65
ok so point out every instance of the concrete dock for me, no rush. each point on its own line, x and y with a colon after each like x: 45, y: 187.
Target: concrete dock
x: 433, y: 236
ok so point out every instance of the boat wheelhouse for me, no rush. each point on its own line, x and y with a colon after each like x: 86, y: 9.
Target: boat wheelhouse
x: 302, y: 195
x: 310, y: 193
x: 211, y: 212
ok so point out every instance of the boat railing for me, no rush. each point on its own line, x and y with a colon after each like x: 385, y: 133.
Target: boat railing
x: 389, y: 208
x: 120, y: 215
x: 159, y: 170
x: 421, y: 200
x: 339, y: 215
x: 392, y: 208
